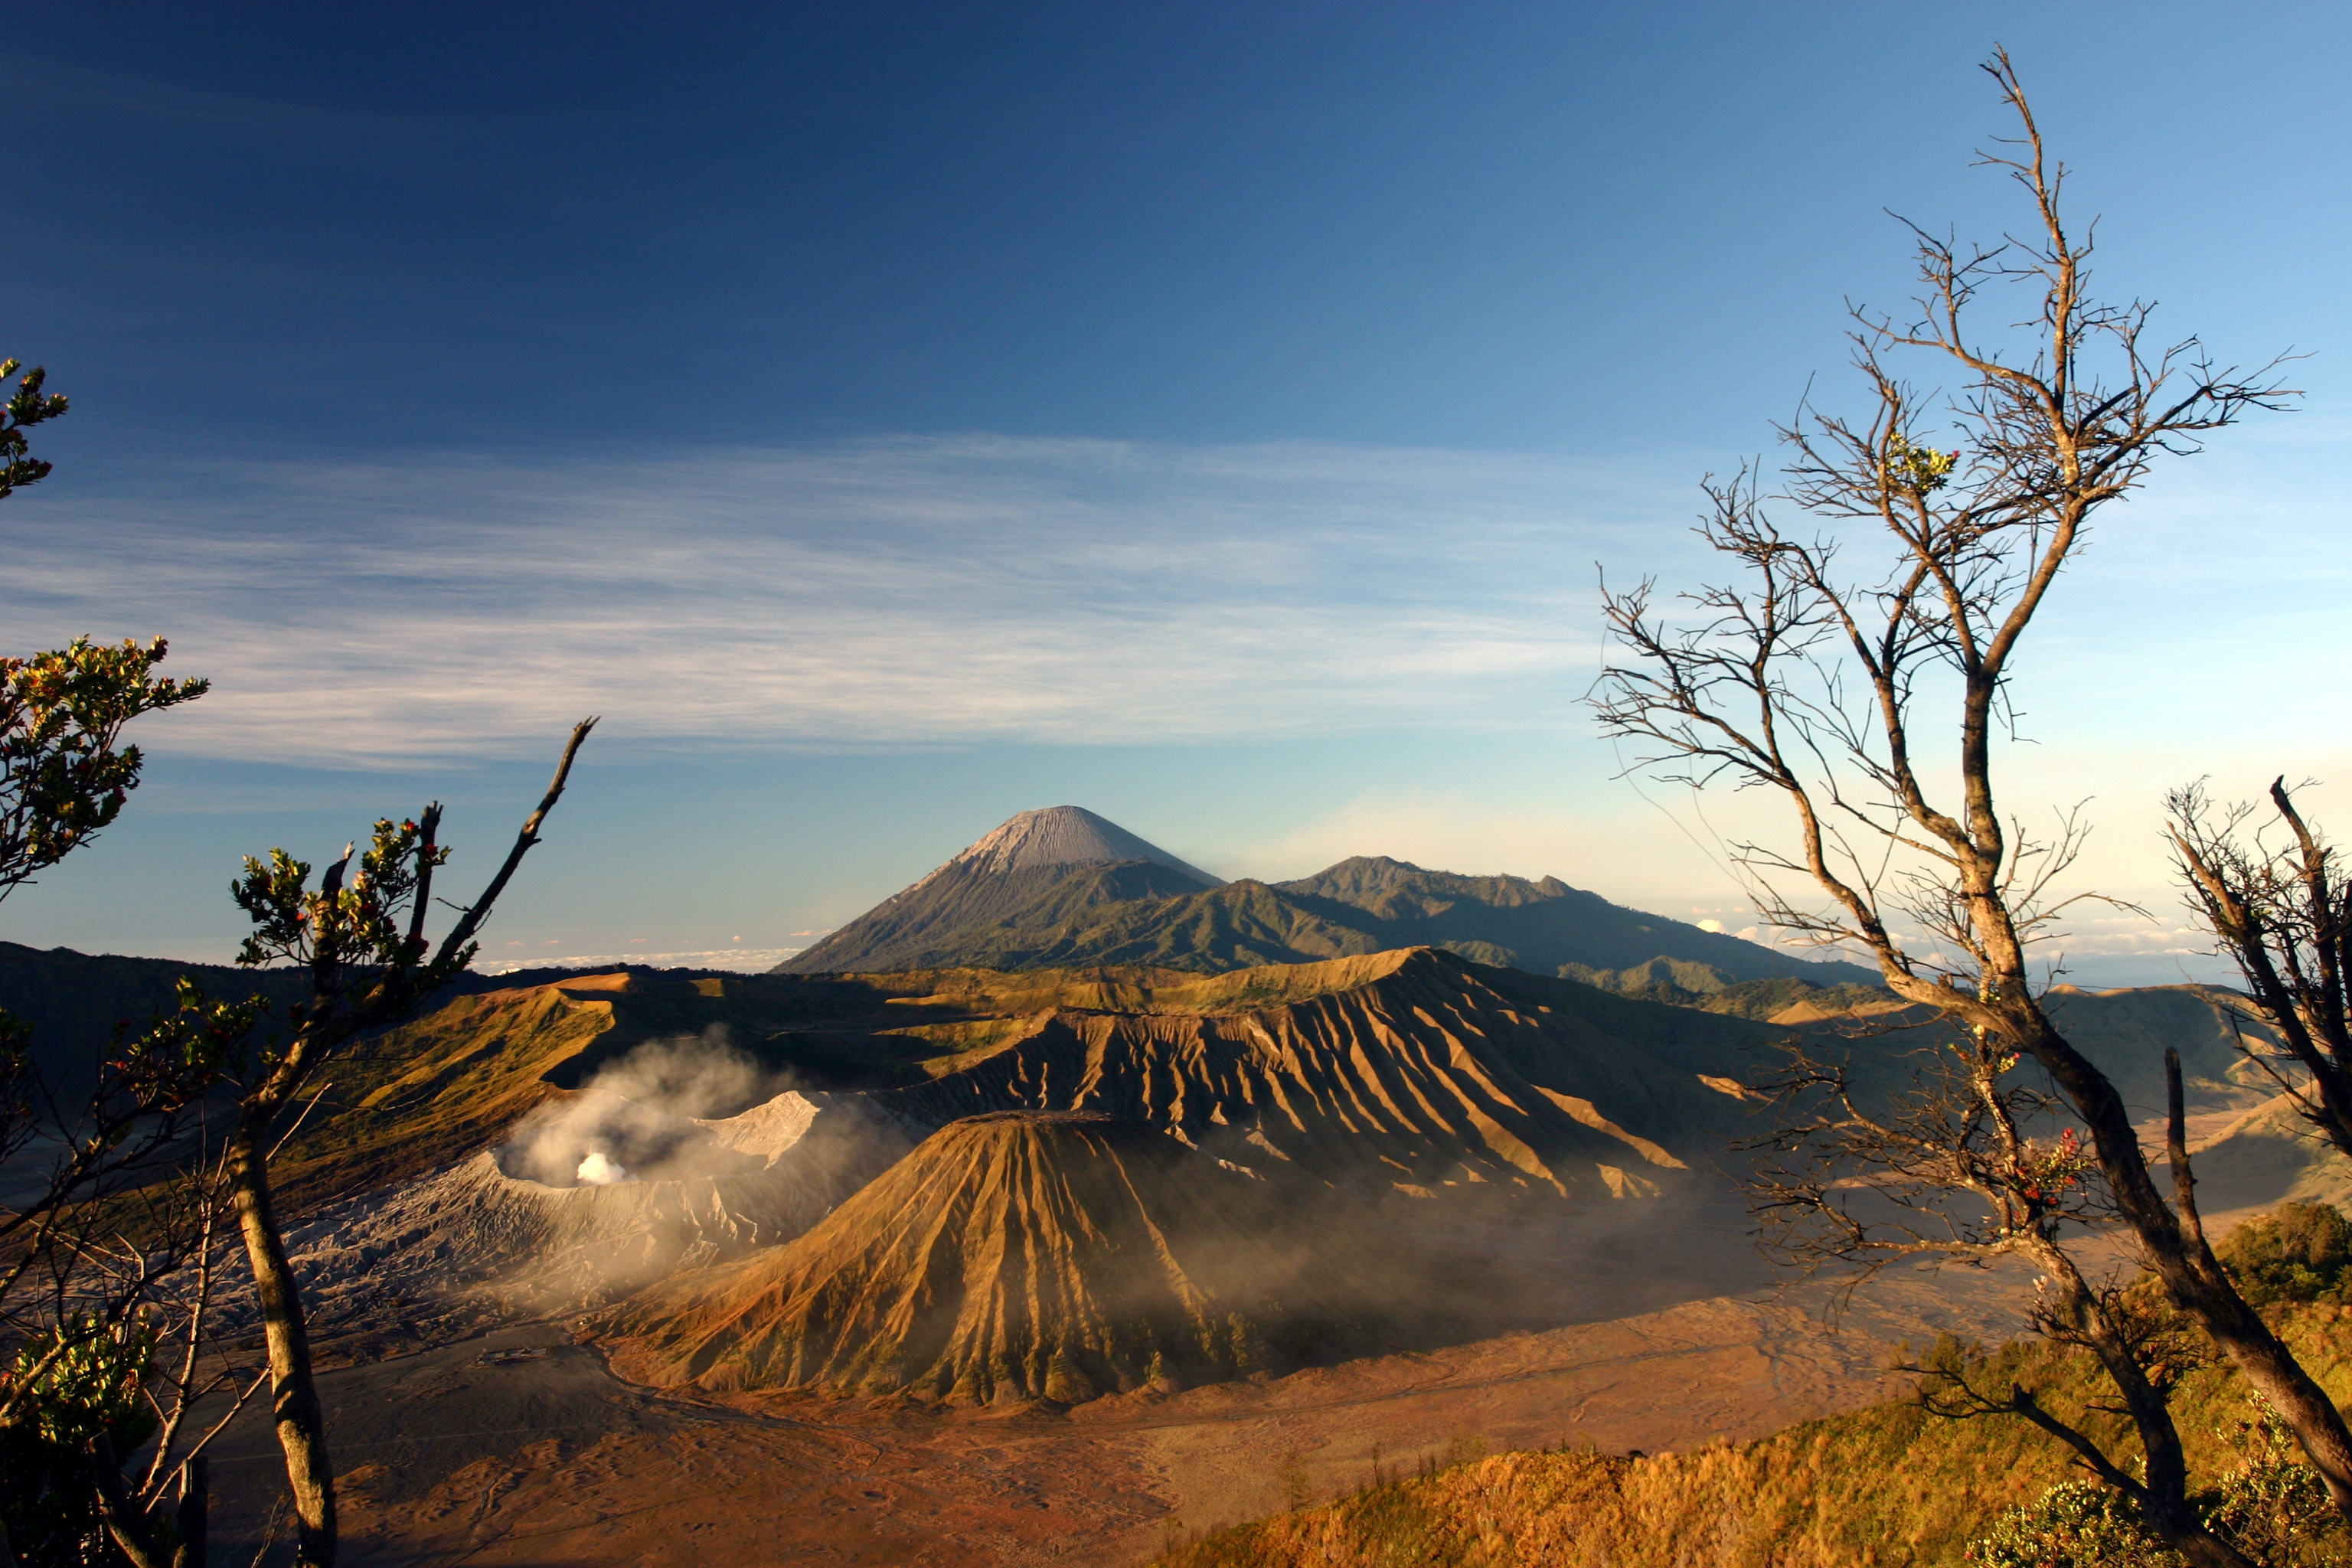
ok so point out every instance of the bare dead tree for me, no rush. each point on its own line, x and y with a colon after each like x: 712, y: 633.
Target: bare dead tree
x: 1973, y: 1162
x: 2283, y: 913
x: 1819, y: 683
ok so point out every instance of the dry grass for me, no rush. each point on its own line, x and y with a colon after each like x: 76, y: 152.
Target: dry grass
x: 1890, y: 1484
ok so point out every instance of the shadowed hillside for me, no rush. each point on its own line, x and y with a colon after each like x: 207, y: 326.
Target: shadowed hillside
x: 1538, y: 926
x: 75, y: 1001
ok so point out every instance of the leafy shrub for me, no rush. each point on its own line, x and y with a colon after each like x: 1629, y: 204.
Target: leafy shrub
x: 2076, y: 1524
x: 46, y: 1498
x: 2298, y: 1252
x: 2277, y: 1512
x: 2273, y: 1509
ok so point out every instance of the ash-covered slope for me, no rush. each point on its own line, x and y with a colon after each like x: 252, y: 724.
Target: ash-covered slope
x: 515, y: 1221
x: 1013, y: 1256
x: 430, y: 1095
x: 1066, y: 835
x: 1023, y: 860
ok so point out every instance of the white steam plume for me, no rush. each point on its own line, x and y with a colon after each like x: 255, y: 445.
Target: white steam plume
x: 597, y: 1171
x: 633, y: 1120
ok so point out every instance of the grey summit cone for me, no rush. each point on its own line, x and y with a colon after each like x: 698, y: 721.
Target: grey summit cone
x: 1060, y: 836
x: 930, y: 923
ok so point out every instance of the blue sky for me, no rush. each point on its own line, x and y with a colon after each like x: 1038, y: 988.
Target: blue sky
x: 893, y: 416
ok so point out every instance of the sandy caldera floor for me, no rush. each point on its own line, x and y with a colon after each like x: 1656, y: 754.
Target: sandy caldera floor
x: 448, y: 1459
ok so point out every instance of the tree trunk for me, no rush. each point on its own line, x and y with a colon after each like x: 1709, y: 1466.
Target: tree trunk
x: 294, y: 1401
x: 124, y: 1520
x: 2193, y: 1278
x: 196, y: 1512
x: 2272, y: 1368
x: 2203, y: 1549
x: 2162, y: 1492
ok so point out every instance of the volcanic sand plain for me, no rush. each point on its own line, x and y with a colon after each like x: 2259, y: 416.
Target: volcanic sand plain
x: 1662, y: 1333
x: 447, y: 1459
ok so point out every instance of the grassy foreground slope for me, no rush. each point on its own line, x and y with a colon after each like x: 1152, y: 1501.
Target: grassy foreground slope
x: 1891, y: 1485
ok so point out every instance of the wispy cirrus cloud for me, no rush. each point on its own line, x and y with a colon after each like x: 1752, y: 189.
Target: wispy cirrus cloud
x: 895, y: 593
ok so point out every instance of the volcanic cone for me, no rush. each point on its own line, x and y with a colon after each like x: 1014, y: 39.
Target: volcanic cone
x: 1017, y: 1254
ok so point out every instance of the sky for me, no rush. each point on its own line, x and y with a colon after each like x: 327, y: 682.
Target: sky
x: 890, y: 417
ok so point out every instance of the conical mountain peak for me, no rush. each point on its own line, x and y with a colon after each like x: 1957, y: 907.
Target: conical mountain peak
x: 1063, y: 853
x: 1066, y: 835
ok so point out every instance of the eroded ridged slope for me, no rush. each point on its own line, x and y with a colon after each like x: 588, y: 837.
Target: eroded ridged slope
x: 1407, y: 1069
x: 1011, y: 1256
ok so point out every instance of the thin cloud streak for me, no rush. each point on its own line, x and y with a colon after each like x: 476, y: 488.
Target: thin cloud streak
x: 889, y: 593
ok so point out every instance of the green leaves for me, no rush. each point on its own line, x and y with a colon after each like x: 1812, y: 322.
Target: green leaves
x: 185, y: 1052
x: 63, y: 775
x: 82, y: 1377
x: 28, y: 406
x: 271, y: 893
x: 70, y: 1382
x: 340, y: 924
x: 2271, y: 1508
x: 1916, y: 470
x: 2076, y: 1524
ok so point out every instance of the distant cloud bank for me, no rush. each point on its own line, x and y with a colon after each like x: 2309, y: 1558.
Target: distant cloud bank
x: 897, y: 592
x: 741, y: 959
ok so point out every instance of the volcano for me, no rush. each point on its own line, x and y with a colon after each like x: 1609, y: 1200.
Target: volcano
x: 1013, y: 1256
x: 1022, y: 860
x: 1063, y: 887
x: 1415, y: 1072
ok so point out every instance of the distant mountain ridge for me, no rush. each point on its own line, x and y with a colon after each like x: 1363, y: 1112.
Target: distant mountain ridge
x: 1545, y: 926
x: 1063, y: 887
